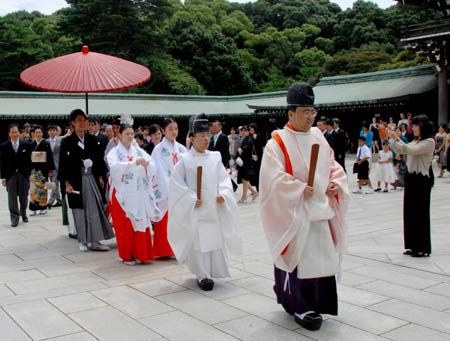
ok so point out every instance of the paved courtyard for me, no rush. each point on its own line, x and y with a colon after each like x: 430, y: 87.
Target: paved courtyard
x: 51, y: 291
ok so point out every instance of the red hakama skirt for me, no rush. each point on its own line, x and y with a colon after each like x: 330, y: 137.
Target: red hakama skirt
x: 131, y: 244
x: 162, y: 246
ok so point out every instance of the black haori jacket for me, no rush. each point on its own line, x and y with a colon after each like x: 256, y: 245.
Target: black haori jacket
x: 71, y: 160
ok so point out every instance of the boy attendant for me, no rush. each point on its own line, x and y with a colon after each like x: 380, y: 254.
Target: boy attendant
x: 200, y: 230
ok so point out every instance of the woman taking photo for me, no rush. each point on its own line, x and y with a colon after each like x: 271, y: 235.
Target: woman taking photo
x: 419, y: 180
x: 133, y: 203
x: 42, y: 167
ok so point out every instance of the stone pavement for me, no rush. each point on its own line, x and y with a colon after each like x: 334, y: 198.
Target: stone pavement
x: 51, y: 291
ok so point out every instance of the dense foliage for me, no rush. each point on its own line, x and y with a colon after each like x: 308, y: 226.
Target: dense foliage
x: 216, y: 47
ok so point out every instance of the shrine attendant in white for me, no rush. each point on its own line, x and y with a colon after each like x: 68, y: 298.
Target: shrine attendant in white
x: 133, y: 203
x: 201, y: 230
x: 166, y: 155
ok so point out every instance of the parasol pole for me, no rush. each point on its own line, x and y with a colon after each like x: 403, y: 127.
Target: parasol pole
x: 87, y: 106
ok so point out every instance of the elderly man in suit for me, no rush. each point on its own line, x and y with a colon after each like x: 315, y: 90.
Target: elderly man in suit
x: 15, y: 173
x: 55, y: 146
x: 219, y: 143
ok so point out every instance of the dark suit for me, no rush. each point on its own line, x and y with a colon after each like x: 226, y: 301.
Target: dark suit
x: 330, y: 136
x: 340, y: 146
x: 223, y: 146
x: 71, y: 160
x: 103, y: 140
x: 16, y: 170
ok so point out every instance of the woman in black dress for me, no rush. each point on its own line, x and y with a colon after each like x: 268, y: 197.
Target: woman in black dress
x: 257, y: 154
x: 246, y: 172
x: 42, y: 167
x: 419, y: 180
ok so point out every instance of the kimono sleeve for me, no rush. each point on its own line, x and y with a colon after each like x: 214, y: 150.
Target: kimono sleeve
x: 182, y: 216
x: 281, y: 200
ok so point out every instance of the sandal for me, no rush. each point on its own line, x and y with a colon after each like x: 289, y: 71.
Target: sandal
x: 242, y: 201
x: 254, y: 196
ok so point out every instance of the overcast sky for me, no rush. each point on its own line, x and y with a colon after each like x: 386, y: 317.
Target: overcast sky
x: 50, y: 6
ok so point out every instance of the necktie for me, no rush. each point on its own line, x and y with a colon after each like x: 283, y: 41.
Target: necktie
x: 15, y: 146
x: 359, y: 154
x: 52, y: 144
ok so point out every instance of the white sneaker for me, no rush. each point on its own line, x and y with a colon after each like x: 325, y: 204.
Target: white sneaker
x: 33, y: 213
x: 357, y: 191
x: 369, y: 191
x: 83, y: 247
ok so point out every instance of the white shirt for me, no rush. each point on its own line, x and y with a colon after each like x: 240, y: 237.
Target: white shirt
x: 363, y: 153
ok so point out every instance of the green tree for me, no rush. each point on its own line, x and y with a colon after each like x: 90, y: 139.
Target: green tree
x: 20, y: 47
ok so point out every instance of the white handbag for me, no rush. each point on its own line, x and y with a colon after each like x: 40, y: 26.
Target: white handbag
x: 239, y: 161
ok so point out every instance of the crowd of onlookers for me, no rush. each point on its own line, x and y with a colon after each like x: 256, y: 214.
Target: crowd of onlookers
x: 241, y: 153
x: 381, y: 168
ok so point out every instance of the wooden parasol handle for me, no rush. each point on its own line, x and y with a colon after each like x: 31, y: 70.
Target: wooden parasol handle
x: 199, y: 182
x: 313, y: 163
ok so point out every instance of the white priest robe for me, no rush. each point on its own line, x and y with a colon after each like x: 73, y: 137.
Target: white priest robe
x: 201, y: 236
x: 313, y: 229
x: 134, y: 185
x: 166, y: 156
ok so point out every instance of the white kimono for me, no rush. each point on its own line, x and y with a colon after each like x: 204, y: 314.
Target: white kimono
x: 314, y: 228
x: 135, y: 185
x: 166, y: 156
x: 200, y: 236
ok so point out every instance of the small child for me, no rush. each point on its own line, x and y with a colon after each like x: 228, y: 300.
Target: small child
x: 384, y: 169
x: 201, y: 229
x: 362, y: 159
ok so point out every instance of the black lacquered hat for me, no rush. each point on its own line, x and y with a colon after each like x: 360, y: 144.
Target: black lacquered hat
x: 300, y: 95
x: 198, y: 124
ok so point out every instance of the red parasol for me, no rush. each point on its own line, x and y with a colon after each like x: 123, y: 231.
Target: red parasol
x: 85, y: 72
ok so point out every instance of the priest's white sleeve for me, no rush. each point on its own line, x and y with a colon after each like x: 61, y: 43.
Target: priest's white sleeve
x: 182, y: 222
x: 228, y: 211
x: 281, y: 207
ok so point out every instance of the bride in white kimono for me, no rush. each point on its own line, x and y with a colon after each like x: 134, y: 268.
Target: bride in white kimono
x: 133, y: 202
x: 201, y: 230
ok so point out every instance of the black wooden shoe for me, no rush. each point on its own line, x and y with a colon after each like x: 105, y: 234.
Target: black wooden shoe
x: 419, y: 254
x: 205, y: 284
x: 311, y: 321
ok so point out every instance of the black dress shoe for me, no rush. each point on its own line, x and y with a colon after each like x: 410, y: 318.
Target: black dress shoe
x: 407, y: 252
x: 14, y: 224
x: 73, y: 236
x: 419, y: 254
x: 205, y: 284
x: 311, y: 321
x: 25, y: 219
